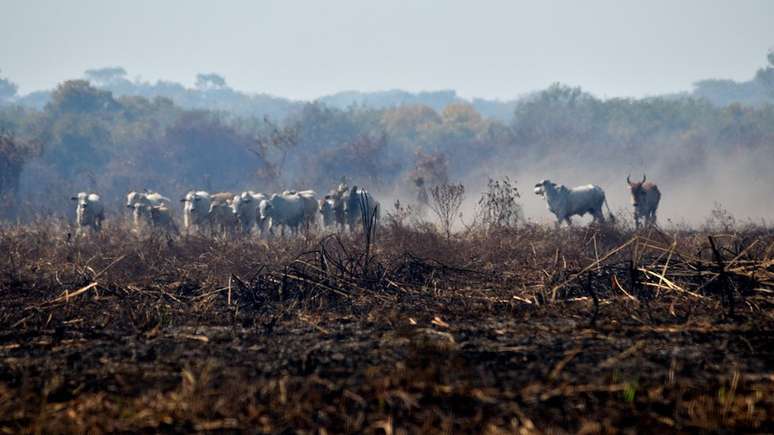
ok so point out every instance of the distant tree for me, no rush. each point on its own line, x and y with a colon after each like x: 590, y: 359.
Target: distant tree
x: 13, y: 155
x: 8, y: 89
x: 460, y: 113
x: 429, y: 169
x: 200, y: 147
x: 560, y: 113
x: 271, y: 146
x: 78, y: 96
x: 765, y: 76
x: 405, y: 122
x: 322, y: 127
x: 210, y: 81
x: 364, y: 158
x: 105, y: 75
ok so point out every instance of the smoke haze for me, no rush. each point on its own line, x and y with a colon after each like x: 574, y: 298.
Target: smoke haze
x: 389, y: 96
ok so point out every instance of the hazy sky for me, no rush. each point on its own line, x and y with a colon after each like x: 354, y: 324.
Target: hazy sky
x: 306, y: 49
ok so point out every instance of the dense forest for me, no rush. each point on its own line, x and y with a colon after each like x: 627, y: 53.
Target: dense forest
x: 110, y: 134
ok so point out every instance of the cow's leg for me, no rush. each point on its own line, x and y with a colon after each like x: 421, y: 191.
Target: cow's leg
x: 270, y: 232
x: 599, y: 217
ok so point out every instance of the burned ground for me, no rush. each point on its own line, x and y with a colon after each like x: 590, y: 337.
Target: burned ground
x: 528, y: 330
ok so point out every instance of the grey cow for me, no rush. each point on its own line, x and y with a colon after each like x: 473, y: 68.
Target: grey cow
x: 566, y: 202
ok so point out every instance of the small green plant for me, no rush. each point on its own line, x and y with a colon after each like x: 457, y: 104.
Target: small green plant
x: 630, y: 391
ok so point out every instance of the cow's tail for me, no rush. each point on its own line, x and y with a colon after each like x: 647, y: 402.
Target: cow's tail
x: 612, y: 216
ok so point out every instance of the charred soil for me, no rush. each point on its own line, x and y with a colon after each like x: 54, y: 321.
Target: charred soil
x: 530, y: 330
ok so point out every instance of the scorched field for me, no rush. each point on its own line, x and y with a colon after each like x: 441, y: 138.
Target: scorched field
x: 530, y: 330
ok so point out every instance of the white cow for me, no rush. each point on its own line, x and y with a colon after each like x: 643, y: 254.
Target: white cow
x: 565, y: 203
x: 361, y: 207
x: 196, y: 210
x: 155, y: 216
x: 144, y: 199
x: 221, y: 214
x: 311, y: 206
x: 89, y: 212
x: 245, y: 206
x: 309, y: 198
x: 147, y: 197
x: 285, y: 210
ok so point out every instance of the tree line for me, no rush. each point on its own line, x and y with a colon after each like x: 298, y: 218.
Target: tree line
x: 88, y: 138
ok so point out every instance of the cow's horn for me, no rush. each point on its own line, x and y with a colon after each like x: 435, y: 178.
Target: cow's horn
x: 643, y: 177
x: 627, y: 179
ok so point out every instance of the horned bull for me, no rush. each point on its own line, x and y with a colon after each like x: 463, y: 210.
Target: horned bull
x: 645, y: 199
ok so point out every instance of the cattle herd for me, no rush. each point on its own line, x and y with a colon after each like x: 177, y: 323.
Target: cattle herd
x: 249, y: 212
x: 228, y: 214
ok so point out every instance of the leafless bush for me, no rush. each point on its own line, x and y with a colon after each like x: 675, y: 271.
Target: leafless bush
x: 720, y: 219
x: 446, y: 200
x: 401, y: 215
x: 498, y: 206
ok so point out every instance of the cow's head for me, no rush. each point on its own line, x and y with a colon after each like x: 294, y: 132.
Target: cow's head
x: 132, y: 198
x: 264, y: 208
x: 637, y: 190
x: 543, y: 185
x: 243, y: 200
x: 247, y: 197
x: 327, y: 210
x: 81, y: 200
x: 192, y: 201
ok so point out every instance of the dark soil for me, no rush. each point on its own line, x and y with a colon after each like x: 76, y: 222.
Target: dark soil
x: 514, y: 331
